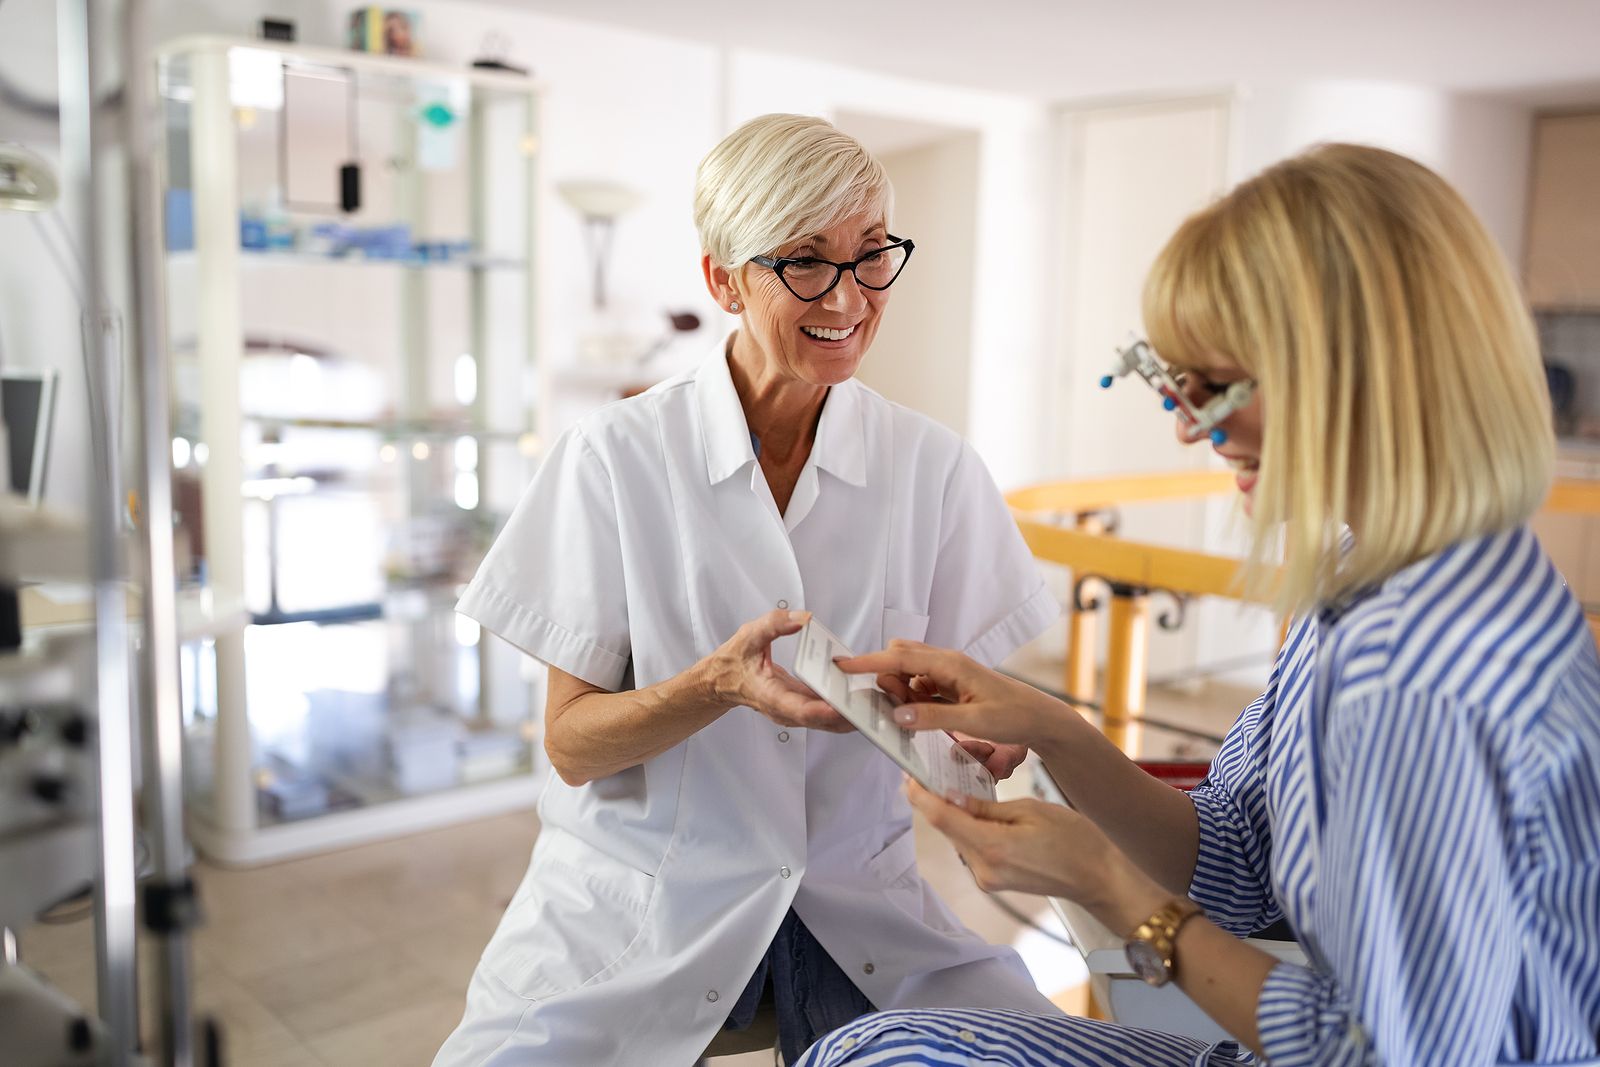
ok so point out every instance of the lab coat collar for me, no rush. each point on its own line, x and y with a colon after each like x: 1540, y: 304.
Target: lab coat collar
x: 840, y: 447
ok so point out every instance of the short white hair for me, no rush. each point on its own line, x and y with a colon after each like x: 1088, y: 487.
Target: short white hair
x: 779, y: 178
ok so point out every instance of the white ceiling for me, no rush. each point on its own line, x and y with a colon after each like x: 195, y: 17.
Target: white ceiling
x: 1543, y: 51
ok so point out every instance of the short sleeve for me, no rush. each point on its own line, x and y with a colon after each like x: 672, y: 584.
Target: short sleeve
x: 988, y: 597
x: 551, y: 583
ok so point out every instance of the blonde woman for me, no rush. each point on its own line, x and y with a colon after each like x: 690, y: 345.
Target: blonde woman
x: 712, y: 839
x: 1418, y: 790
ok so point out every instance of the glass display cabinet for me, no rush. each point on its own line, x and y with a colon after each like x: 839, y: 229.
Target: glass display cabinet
x: 358, y: 405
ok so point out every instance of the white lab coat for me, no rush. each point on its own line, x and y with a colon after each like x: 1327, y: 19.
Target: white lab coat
x: 646, y: 538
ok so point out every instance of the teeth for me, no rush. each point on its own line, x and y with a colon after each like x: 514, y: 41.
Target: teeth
x: 1242, y: 464
x: 822, y: 333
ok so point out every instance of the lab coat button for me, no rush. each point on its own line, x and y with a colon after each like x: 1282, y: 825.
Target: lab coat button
x: 783, y: 737
x: 869, y: 968
x: 712, y: 996
x: 783, y: 872
x: 783, y: 603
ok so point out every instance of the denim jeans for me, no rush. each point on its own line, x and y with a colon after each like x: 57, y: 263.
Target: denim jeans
x: 812, y: 994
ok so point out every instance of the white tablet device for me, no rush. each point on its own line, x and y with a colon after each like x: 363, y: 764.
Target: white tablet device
x: 929, y: 756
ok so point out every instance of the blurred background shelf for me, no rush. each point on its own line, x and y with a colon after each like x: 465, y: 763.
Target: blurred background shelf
x: 249, y: 257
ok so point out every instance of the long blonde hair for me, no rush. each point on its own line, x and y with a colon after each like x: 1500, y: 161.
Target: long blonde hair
x: 1399, y: 373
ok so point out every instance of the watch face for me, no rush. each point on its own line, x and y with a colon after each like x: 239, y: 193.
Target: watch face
x: 1147, y: 962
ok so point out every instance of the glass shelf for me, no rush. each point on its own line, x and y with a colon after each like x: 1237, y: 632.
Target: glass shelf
x: 394, y: 428
x: 297, y: 258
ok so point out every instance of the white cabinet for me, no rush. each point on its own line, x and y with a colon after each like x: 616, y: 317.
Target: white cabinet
x: 357, y: 408
x: 1563, y: 252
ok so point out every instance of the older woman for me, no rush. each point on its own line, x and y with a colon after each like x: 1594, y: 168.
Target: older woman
x: 1418, y: 791
x: 714, y: 834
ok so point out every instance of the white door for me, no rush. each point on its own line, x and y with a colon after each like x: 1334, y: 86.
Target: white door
x: 1133, y: 173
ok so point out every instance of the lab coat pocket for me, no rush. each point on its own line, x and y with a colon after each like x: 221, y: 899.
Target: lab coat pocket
x: 575, y: 917
x: 895, y: 861
x: 905, y: 625
x: 895, y: 869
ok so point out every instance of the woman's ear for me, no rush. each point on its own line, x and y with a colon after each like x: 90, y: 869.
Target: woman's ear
x: 722, y: 284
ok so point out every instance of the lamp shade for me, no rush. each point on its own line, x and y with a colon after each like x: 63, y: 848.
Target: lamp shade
x: 26, y: 181
x: 598, y: 199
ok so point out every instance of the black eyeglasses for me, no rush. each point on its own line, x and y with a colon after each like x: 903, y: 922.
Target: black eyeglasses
x: 812, y: 279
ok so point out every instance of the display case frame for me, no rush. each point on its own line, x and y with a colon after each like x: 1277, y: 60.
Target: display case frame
x: 229, y: 820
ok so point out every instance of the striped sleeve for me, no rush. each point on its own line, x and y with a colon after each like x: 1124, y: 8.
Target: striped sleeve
x: 1231, y: 873
x: 1421, y: 935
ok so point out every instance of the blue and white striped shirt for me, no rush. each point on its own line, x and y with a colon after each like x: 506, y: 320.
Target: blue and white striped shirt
x: 1418, y: 793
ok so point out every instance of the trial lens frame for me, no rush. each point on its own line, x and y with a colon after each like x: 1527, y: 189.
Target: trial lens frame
x: 1137, y: 357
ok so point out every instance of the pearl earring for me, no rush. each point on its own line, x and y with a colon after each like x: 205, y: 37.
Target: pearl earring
x: 734, y: 307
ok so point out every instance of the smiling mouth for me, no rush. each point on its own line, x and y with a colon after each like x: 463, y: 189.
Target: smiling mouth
x: 1246, y: 472
x: 823, y: 333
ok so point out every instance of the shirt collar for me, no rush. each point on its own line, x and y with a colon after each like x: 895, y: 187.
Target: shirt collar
x: 722, y: 423
x: 841, y: 444
x: 840, y: 447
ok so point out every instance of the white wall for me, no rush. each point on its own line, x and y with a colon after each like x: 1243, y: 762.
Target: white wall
x: 1482, y: 146
x: 922, y: 356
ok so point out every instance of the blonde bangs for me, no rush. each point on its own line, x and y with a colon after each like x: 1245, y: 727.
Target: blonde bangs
x: 1184, y: 297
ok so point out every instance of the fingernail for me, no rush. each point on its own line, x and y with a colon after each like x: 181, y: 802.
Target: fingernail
x: 958, y: 799
x: 904, y: 716
x: 799, y: 616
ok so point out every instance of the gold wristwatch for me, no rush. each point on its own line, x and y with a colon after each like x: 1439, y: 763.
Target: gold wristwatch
x: 1150, y: 949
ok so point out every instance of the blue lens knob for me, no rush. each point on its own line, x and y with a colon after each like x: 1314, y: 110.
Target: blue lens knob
x: 1219, y: 437
x: 1105, y: 383
x: 1169, y: 403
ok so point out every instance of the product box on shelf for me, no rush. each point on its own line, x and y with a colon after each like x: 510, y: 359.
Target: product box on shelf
x: 387, y: 30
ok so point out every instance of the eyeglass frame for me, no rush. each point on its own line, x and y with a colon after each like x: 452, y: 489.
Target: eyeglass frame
x: 777, y: 266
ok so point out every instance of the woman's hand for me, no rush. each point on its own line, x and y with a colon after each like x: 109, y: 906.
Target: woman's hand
x: 944, y: 690
x: 742, y: 672
x: 1047, y: 849
x: 1001, y: 761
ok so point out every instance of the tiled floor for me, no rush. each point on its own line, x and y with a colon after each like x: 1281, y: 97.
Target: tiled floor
x: 362, y: 956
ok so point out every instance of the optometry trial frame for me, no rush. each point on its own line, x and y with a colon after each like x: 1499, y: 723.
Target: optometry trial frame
x: 782, y: 265
x: 1204, y: 420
